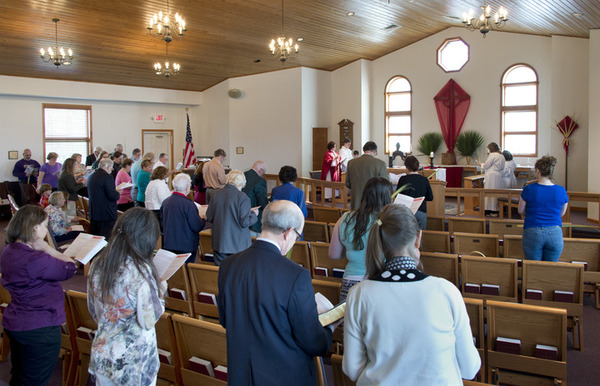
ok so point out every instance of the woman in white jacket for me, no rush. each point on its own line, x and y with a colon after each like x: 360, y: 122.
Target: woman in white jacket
x: 403, y: 327
x: 494, y: 174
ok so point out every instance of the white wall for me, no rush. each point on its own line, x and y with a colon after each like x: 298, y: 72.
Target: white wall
x: 119, y: 114
x: 316, y: 112
x: 215, y: 121
x: 346, y: 101
x: 594, y: 120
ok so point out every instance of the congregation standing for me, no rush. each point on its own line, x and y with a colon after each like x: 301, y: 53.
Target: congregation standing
x: 268, y: 317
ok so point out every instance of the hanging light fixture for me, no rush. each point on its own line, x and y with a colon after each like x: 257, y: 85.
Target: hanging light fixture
x: 165, y: 26
x: 167, y: 68
x: 485, y: 23
x: 283, y: 46
x: 55, y: 54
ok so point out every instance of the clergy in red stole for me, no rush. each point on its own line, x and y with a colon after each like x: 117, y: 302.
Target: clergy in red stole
x: 330, y: 171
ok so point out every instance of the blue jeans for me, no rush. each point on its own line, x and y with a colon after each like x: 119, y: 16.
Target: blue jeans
x: 542, y: 243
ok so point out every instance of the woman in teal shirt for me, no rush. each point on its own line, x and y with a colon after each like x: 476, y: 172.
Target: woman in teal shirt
x: 143, y: 179
x: 350, y: 234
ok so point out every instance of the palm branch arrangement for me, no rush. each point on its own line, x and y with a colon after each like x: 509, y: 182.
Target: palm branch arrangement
x: 468, y: 143
x: 430, y: 142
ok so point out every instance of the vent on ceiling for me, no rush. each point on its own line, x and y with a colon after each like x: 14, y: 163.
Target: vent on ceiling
x: 391, y: 27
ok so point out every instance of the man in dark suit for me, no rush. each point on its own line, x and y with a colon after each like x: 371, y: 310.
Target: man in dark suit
x: 256, y: 190
x: 90, y: 159
x: 103, y: 199
x: 180, y: 219
x: 363, y: 168
x: 267, y: 304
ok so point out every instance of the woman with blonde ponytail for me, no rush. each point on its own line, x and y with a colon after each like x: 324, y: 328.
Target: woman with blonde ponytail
x: 401, y: 325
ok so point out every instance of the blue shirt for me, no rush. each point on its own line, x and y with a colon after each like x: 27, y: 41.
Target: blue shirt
x: 291, y: 193
x: 544, y: 204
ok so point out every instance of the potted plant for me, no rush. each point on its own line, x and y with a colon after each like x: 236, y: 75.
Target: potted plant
x: 468, y: 143
x: 430, y: 143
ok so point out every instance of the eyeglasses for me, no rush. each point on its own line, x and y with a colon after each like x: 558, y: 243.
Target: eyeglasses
x: 298, y: 235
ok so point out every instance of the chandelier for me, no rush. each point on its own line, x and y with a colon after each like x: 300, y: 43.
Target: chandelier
x: 166, y: 26
x: 485, y: 23
x: 56, y: 55
x: 283, y: 46
x: 167, y: 68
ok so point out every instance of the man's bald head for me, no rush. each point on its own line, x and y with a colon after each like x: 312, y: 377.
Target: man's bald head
x: 260, y: 168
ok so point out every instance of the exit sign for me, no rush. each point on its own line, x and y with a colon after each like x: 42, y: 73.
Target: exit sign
x: 158, y: 118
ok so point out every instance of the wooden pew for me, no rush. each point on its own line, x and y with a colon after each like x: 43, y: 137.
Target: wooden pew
x: 588, y: 251
x: 301, y: 254
x: 502, y: 227
x: 197, y: 338
x: 165, y: 340
x: 203, y: 278
x: 328, y: 215
x: 490, y: 270
x: 435, y: 241
x: 475, y: 311
x: 512, y: 247
x: 339, y: 378
x: 69, y: 353
x: 319, y: 253
x: 81, y: 318
x: 532, y: 325
x: 331, y: 290
x: 315, y: 231
x: 466, y: 225
x: 550, y: 276
x: 476, y: 244
x: 436, y: 223
x: 441, y: 265
x: 180, y: 281
x: 4, y: 342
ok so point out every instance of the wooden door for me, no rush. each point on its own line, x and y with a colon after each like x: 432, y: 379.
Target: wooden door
x: 158, y: 141
x: 319, y: 146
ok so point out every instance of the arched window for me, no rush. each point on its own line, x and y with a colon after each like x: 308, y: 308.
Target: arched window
x: 519, y: 110
x: 398, y: 121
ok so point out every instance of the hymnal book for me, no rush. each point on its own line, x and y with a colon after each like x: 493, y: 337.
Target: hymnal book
x: 85, y: 247
x: 534, y: 294
x: 202, y: 366
x: 86, y: 333
x: 3, y: 307
x: 167, y: 263
x: 320, y: 271
x: 179, y: 165
x: 207, y: 297
x: 78, y: 228
x: 546, y: 352
x: 472, y: 288
x: 508, y: 345
x: 490, y: 289
x: 338, y: 272
x: 124, y: 185
x: 209, y: 257
x: 221, y: 373
x: 201, y: 210
x: 328, y: 314
x: 411, y: 203
x: 177, y: 293
x: 64, y: 328
x: 581, y: 262
x: 165, y: 357
x: 564, y: 296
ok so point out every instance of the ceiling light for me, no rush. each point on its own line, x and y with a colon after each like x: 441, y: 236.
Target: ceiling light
x: 283, y: 46
x: 166, y: 26
x: 167, y: 68
x: 577, y: 14
x: 56, y: 55
x: 350, y: 13
x: 485, y: 23
x: 300, y: 39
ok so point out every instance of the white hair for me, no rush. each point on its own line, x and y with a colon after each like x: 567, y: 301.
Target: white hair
x: 236, y: 178
x: 105, y: 163
x: 182, y: 182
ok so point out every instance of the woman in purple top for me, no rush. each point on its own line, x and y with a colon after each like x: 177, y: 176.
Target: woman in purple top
x: 31, y: 271
x: 50, y: 171
x: 543, y: 204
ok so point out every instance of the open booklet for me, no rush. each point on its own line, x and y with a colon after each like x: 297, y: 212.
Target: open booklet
x: 411, y: 203
x: 201, y: 210
x: 85, y: 247
x: 328, y: 314
x: 124, y: 185
x: 167, y: 263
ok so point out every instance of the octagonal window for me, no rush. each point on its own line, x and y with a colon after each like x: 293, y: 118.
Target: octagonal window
x: 453, y: 54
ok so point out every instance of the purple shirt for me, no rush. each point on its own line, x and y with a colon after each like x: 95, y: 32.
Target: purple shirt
x: 51, y: 174
x: 32, y: 278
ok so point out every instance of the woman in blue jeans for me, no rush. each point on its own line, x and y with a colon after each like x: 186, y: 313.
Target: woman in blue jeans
x: 543, y: 203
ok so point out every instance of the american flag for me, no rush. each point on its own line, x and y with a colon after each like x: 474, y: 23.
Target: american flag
x: 189, y: 154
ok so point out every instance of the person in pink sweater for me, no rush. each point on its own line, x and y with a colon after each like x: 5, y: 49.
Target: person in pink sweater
x: 125, y: 201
